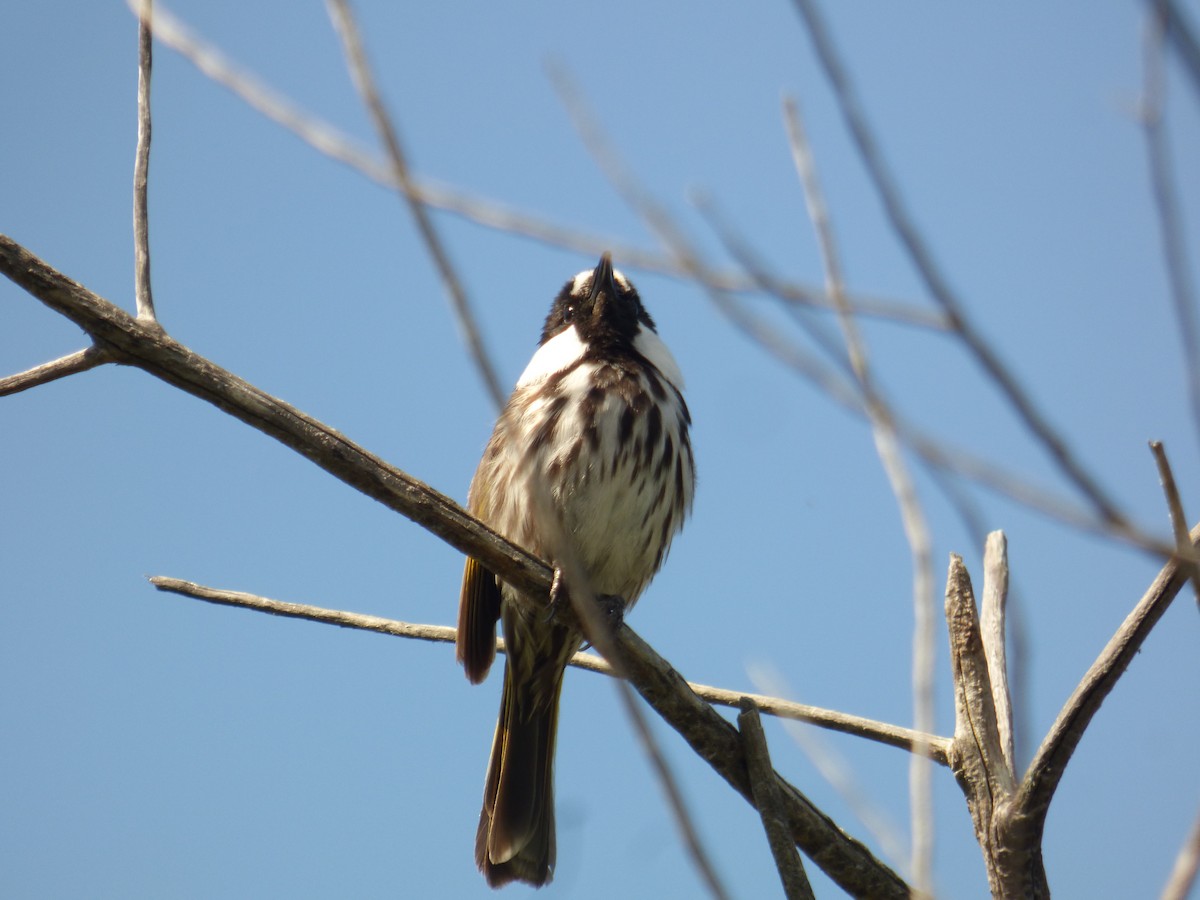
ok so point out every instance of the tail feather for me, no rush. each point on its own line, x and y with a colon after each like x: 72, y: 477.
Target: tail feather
x: 515, y: 841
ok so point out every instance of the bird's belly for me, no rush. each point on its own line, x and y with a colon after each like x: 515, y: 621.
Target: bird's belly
x: 617, y: 529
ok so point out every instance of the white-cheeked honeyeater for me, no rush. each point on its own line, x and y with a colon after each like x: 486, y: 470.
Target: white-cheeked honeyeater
x: 590, y: 462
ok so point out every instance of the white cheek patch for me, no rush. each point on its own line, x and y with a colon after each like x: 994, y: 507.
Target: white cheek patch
x: 651, y: 346
x: 579, y: 282
x: 558, y: 353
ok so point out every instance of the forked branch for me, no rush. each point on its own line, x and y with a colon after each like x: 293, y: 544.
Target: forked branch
x: 1010, y: 816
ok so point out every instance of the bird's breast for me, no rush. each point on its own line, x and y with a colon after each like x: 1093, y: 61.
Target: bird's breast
x: 594, y: 461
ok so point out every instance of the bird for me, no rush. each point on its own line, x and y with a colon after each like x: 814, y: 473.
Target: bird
x: 589, y: 467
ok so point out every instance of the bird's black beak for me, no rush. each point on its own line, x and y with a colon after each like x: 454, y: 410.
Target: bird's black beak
x: 603, y: 283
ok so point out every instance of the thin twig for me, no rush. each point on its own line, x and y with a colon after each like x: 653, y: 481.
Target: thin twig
x: 364, y: 80
x: 71, y: 364
x: 675, y: 801
x: 748, y: 259
x: 141, y: 171
x: 837, y: 772
x: 333, y: 143
x: 1027, y: 493
x: 446, y: 634
x: 1165, y: 192
x: 906, y: 230
x: 916, y: 529
x: 843, y: 859
x: 1015, y: 642
x: 686, y: 257
x: 880, y: 732
x: 831, y: 720
x: 1183, y: 38
x: 1050, y: 761
x: 1187, y: 864
x: 993, y: 631
x: 1175, y: 509
x: 689, y: 262
x: 938, y: 457
x: 766, y: 797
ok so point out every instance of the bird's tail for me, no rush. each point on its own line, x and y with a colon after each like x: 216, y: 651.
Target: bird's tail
x: 515, y: 841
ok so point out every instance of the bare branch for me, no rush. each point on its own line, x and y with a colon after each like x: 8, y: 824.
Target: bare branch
x: 762, y: 279
x: 71, y: 364
x: 880, y: 732
x: 683, y: 819
x: 436, y: 633
x: 356, y: 58
x: 993, y: 633
x: 831, y: 720
x: 665, y: 690
x: 1027, y: 493
x: 766, y: 798
x: 842, y: 858
x: 685, y: 255
x: 845, y: 860
x: 1183, y: 37
x: 936, y: 283
x: 1050, y: 761
x: 1187, y: 864
x: 838, y: 774
x: 335, y: 144
x: 141, y: 171
x: 975, y: 721
x: 1165, y: 193
x: 1178, y: 519
x: 147, y: 347
x: 690, y: 263
x: 916, y: 530
x: 1014, y: 865
x: 739, y: 248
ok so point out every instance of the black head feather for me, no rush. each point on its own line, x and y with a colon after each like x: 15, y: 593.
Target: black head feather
x: 603, y: 306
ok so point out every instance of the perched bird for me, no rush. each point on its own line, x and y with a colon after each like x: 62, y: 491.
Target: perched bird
x: 590, y: 468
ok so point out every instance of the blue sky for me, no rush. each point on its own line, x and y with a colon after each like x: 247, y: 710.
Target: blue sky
x: 158, y: 747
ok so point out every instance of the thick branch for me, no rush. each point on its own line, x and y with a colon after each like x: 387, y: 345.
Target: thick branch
x: 1014, y: 868
x: 718, y: 743
x: 975, y: 722
x: 147, y: 347
x: 844, y: 859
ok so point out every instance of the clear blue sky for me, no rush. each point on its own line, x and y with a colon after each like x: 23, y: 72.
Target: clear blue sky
x: 158, y: 747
